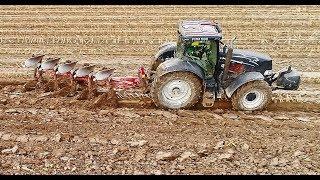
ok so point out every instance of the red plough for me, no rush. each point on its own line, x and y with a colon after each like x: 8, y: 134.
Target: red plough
x: 83, y: 83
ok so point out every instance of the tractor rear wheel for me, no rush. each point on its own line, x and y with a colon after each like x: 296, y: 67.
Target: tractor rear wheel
x: 176, y: 90
x: 251, y: 96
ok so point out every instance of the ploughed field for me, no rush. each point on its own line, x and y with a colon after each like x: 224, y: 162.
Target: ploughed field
x: 42, y: 135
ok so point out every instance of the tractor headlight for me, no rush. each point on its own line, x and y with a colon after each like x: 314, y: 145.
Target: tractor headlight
x: 268, y: 73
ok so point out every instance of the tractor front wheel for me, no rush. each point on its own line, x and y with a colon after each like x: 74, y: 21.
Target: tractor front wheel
x: 176, y: 90
x: 252, y: 96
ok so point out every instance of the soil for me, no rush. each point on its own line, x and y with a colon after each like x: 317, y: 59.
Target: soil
x: 40, y: 134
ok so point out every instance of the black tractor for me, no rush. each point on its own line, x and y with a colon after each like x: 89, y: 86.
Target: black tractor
x: 200, y: 68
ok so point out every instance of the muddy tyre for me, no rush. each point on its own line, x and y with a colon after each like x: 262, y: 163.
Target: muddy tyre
x: 252, y: 96
x: 176, y: 90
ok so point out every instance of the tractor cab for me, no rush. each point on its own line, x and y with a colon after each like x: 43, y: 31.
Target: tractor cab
x: 198, y: 42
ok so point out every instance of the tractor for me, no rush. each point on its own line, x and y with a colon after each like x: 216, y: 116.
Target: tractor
x: 198, y: 69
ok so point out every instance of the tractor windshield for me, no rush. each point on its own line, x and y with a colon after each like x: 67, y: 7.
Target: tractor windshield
x: 203, y: 53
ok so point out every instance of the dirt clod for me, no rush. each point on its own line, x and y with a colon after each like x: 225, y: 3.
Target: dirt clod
x: 230, y: 116
x: 6, y: 137
x: 274, y: 162
x: 165, y: 156
x: 303, y: 119
x: 281, y: 117
x: 3, y: 101
x: 115, y: 141
x: 11, y: 111
x: 225, y: 156
x: 22, y: 138
x: 57, y: 138
x: 187, y: 154
x: 137, y: 143
x: 10, y: 150
x: 219, y: 145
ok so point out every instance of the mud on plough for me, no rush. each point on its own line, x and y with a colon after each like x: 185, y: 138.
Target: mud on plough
x: 68, y: 79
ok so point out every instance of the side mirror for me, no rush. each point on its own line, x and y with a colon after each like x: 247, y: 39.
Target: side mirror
x: 232, y: 42
x: 218, y: 27
x: 224, y: 49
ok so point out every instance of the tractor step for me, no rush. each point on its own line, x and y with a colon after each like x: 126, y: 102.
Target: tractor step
x: 208, y: 99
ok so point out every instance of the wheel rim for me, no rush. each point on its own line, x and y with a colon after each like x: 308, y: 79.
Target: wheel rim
x: 253, y: 99
x: 176, y: 93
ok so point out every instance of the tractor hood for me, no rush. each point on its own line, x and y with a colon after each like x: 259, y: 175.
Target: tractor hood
x: 250, y: 54
x: 254, y: 61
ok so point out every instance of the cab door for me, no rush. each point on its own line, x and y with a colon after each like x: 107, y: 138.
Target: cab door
x: 203, y: 53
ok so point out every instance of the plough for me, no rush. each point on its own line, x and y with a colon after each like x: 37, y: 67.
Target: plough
x: 82, y: 82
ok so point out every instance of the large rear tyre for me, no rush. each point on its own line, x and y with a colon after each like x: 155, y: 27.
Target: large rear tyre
x: 252, y: 96
x: 176, y: 90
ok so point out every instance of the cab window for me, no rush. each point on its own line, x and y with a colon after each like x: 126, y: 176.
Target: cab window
x: 198, y: 50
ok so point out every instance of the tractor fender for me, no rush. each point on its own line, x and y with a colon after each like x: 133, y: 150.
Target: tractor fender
x: 241, y: 80
x: 166, y: 48
x: 176, y: 64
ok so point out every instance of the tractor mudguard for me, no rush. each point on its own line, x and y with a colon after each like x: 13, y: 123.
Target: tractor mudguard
x: 241, y: 80
x: 176, y: 64
x: 165, y: 48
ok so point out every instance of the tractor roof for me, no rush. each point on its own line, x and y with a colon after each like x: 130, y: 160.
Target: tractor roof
x: 200, y: 29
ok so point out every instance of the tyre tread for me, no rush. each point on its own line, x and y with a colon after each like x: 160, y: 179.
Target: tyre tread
x: 197, y: 89
x: 235, y: 99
